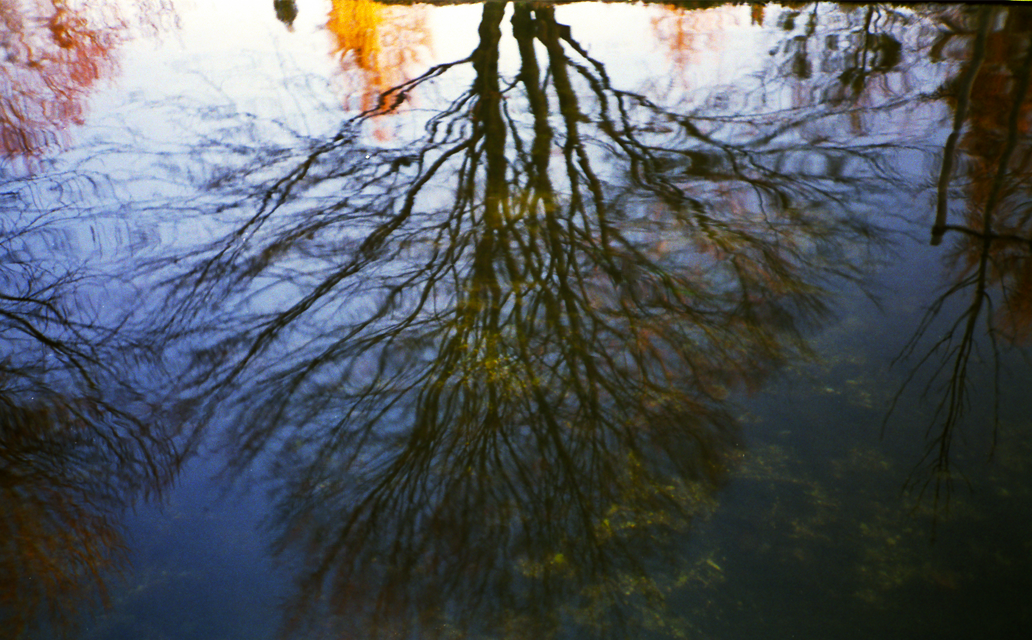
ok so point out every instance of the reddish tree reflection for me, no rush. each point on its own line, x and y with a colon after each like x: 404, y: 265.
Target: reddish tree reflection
x: 986, y: 160
x: 54, y: 53
x: 53, y: 56
x: 998, y: 223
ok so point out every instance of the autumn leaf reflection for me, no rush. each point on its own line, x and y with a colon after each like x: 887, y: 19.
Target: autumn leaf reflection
x: 54, y: 54
x: 691, y: 35
x: 491, y: 368
x: 378, y: 44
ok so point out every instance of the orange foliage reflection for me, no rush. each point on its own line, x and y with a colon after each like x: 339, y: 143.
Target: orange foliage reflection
x: 59, y: 543
x: 376, y: 44
x: 695, y: 38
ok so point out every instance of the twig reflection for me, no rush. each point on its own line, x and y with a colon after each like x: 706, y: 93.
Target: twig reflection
x: 490, y: 369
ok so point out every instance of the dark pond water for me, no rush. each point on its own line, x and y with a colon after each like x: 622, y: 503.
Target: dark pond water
x: 514, y: 320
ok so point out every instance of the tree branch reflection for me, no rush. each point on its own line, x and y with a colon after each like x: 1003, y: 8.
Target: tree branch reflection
x: 79, y: 444
x: 992, y: 255
x: 490, y: 369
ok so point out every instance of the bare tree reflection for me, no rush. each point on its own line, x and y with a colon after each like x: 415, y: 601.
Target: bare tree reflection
x: 992, y: 254
x: 78, y: 444
x: 490, y: 368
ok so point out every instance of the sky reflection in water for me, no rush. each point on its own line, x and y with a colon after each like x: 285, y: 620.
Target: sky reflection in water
x: 514, y: 320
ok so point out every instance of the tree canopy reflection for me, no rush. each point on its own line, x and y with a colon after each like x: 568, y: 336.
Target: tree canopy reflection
x: 490, y: 368
x: 376, y: 44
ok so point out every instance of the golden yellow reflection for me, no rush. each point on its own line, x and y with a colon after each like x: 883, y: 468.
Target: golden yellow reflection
x: 377, y: 45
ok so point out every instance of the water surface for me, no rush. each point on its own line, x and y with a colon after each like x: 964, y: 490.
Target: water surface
x: 514, y: 320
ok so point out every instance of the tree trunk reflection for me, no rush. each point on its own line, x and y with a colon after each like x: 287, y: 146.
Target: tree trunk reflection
x: 500, y: 400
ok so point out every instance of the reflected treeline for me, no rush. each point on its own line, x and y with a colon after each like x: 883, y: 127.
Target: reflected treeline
x: 860, y: 56
x: 985, y: 164
x: 79, y: 441
x: 490, y: 368
x: 826, y: 54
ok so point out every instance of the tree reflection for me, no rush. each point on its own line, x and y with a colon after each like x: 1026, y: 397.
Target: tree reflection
x: 377, y: 44
x: 491, y: 368
x: 992, y: 253
x: 54, y: 53
x: 78, y: 444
